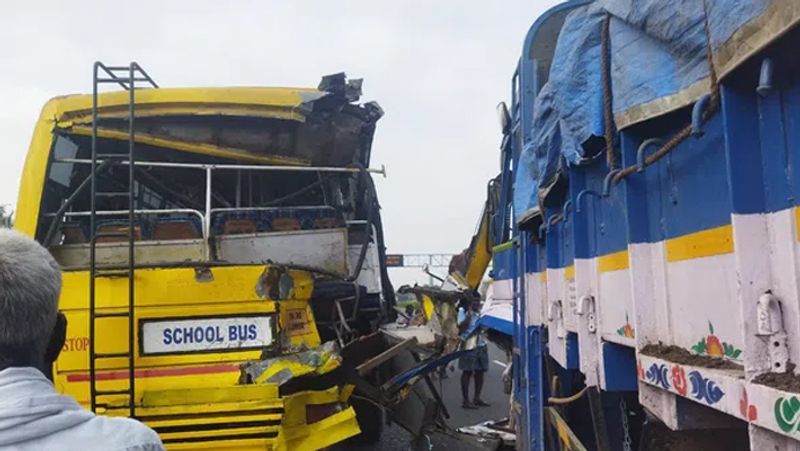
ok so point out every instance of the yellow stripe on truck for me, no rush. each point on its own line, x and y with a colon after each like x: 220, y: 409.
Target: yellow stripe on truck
x: 613, y: 262
x: 716, y: 241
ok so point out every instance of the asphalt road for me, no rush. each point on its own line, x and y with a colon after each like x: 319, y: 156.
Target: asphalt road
x: 395, y: 438
x: 492, y: 393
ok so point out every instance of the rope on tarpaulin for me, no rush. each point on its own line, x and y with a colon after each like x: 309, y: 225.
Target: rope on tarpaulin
x: 710, y: 109
x: 608, y: 111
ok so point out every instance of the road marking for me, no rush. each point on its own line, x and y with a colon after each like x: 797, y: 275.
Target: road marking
x: 500, y: 363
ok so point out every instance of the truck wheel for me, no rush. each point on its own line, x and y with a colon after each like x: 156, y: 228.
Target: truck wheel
x: 370, y: 419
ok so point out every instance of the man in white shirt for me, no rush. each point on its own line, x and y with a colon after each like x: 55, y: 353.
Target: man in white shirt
x: 33, y: 416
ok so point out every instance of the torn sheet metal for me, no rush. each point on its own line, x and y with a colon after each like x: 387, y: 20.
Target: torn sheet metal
x: 491, y: 429
x: 440, y: 311
x: 324, y: 127
x: 338, y: 84
x: 281, y: 369
x: 425, y: 335
x: 200, y: 148
x: 412, y: 405
x: 300, y: 434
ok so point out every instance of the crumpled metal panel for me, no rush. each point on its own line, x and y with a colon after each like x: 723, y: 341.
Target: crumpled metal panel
x: 281, y: 369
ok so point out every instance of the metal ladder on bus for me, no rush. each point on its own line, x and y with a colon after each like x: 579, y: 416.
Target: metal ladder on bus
x: 127, y: 77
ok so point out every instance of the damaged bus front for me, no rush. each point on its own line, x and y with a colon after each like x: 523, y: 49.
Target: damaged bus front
x: 219, y: 245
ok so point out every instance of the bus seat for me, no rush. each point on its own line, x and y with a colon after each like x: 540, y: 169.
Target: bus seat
x: 73, y: 233
x: 326, y: 223
x: 283, y: 224
x: 279, y: 219
x: 120, y: 230
x: 175, y: 229
x: 238, y: 226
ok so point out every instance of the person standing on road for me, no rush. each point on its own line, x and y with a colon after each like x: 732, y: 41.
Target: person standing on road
x: 476, y: 361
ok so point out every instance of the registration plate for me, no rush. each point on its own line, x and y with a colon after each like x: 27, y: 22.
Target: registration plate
x: 208, y: 334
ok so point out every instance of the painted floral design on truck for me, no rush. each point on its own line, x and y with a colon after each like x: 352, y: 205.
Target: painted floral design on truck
x: 713, y: 347
x: 679, y: 380
x: 704, y: 388
x: 787, y: 414
x: 748, y: 411
x: 627, y: 329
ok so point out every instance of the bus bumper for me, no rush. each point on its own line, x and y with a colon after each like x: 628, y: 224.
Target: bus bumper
x: 250, y: 418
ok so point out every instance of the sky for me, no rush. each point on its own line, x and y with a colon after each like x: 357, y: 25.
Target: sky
x: 437, y: 68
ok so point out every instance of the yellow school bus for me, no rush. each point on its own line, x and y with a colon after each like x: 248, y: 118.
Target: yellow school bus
x: 211, y: 240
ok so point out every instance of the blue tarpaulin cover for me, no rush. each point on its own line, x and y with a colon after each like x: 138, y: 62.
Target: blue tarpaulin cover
x: 658, y: 63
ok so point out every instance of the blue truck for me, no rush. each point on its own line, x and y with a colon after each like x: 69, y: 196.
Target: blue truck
x: 649, y: 214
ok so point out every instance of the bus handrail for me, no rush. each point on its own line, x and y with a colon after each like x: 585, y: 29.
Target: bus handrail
x: 299, y: 207
x: 239, y: 167
x: 209, y: 168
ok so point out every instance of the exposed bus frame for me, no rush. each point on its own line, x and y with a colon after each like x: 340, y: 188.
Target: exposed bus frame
x: 209, y: 168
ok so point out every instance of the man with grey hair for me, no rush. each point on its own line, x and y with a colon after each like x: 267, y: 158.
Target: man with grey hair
x: 33, y: 416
